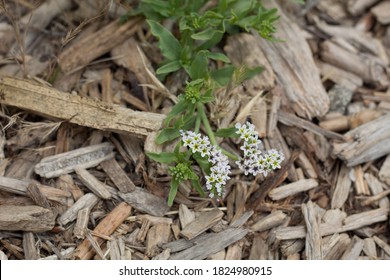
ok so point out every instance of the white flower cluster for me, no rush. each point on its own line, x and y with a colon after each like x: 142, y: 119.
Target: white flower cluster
x: 254, y: 160
x: 220, y: 169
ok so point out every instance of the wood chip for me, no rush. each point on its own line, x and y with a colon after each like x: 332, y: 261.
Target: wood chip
x: 87, y: 201
x: 117, y: 175
x: 376, y: 189
x: 211, y: 244
x: 369, y: 248
x: 82, y: 222
x: 203, y: 222
x: 313, y: 236
x: 334, y: 246
x: 64, y: 163
x: 29, y: 246
x: 106, y: 227
x: 381, y: 12
x: 292, y: 189
x: 186, y: 216
x: 26, y: 218
x: 157, y: 235
x: 270, y: 221
x: 145, y: 202
x: 384, y: 172
x: 343, y: 186
x: 93, y: 184
x: 88, y: 112
x: 383, y: 245
x: 354, y: 249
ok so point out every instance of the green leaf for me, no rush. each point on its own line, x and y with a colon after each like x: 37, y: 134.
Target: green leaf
x: 226, y: 132
x: 163, y: 157
x: 222, y: 76
x: 219, y: 56
x: 204, y: 35
x: 198, y: 68
x: 169, y: 45
x: 180, y: 107
x: 208, y: 44
x: 173, y: 191
x: 169, y: 67
x: 207, y: 96
x: 202, y: 162
x: 167, y: 134
x: 245, y: 73
x: 198, y: 187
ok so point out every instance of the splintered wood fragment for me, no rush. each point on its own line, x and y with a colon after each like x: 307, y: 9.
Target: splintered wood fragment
x: 370, y: 68
x: 113, y: 248
x: 186, y: 216
x: 273, y: 115
x: 352, y: 222
x: 29, y: 246
x: 361, y: 186
x: 145, y: 202
x: 157, y: 235
x: 384, y: 172
x: 369, y: 248
x: 87, y: 157
x: 202, y: 223
x: 37, y: 196
x: 106, y: 227
x: 313, y: 236
x: 292, y: 189
x: 291, y: 247
x: 343, y: 186
x: 81, y: 224
x: 292, y: 120
x: 307, y: 167
x: 86, y: 201
x: 234, y: 251
x: 382, y: 12
x: 334, y: 246
x: 295, y: 69
x: 117, y: 175
x: 242, y: 220
x: 272, y: 220
x: 65, y: 182
x: 96, y: 44
x: 354, y: 249
x: 155, y: 220
x: 259, y: 249
x: 382, y: 244
x: 49, y: 102
x: 244, y: 49
x: 26, y: 218
x: 65, y: 254
x: 93, y: 184
x: 377, y: 189
x: 339, y: 76
x: 366, y: 142
x: 211, y: 244
x: 3, y: 257
x: 357, y: 7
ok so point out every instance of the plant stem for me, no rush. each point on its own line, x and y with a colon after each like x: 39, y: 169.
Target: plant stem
x: 197, y: 122
x: 206, y: 124
x: 210, y: 133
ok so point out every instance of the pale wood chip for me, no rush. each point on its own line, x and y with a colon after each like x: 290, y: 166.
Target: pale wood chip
x: 292, y: 189
x: 354, y: 249
x: 117, y: 175
x: 272, y: 220
x: 157, y: 235
x: 87, y: 201
x: 383, y: 245
x: 29, y: 246
x: 369, y: 248
x: 313, y: 243
x: 93, y: 184
x: 343, y: 186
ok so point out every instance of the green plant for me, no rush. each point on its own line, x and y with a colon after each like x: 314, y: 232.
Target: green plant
x: 198, y: 29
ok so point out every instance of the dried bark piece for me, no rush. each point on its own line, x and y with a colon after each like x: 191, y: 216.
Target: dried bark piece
x: 202, y: 223
x: 234, y: 252
x: 37, y: 196
x: 26, y: 218
x: 87, y: 201
x: 382, y: 12
x: 292, y: 189
x: 357, y: 7
x: 384, y: 172
x: 376, y: 189
x: 354, y: 249
x: 117, y: 175
x: 29, y: 246
x: 157, y: 235
x: 106, y: 227
x: 334, y: 246
x: 81, y: 224
x: 382, y: 244
x: 352, y: 222
x: 313, y: 237
x: 370, y: 68
x: 50, y: 102
x: 210, y: 244
x: 340, y: 76
x: 90, y: 47
x: 259, y: 249
x: 369, y: 248
x: 92, y: 183
x: 186, y: 216
x: 87, y: 157
x: 366, y: 142
x: 270, y: 221
x: 65, y: 254
x: 145, y: 202
x: 343, y: 186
